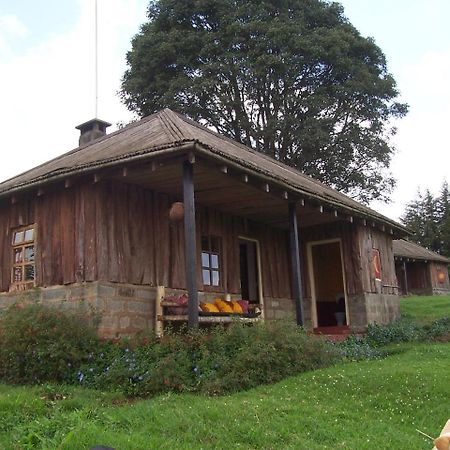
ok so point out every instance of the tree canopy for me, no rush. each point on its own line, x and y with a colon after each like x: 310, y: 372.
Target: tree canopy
x: 429, y: 218
x: 291, y: 78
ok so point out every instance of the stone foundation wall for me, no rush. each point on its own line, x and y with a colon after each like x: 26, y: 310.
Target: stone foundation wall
x: 441, y: 291
x: 278, y: 308
x: 382, y: 308
x: 123, y: 309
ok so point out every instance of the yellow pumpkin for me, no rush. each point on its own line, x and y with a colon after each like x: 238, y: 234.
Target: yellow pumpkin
x: 237, y: 308
x: 209, y: 307
x: 223, y: 306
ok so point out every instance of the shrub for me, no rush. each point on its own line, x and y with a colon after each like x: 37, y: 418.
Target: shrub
x: 39, y: 344
x: 214, y: 362
x: 438, y: 329
x: 401, y: 330
x: 356, y: 348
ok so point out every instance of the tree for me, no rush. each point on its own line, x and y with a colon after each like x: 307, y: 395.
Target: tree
x: 428, y: 218
x: 443, y: 205
x: 291, y: 78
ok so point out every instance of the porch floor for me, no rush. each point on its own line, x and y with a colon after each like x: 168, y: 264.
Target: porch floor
x: 335, y: 333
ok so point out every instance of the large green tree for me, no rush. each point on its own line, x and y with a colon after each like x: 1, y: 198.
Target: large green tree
x: 429, y: 219
x: 291, y: 78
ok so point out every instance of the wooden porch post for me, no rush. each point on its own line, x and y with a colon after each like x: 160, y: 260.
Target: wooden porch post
x: 190, y: 243
x: 406, y: 277
x: 295, y: 263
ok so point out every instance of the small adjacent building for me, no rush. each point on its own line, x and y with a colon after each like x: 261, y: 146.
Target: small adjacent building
x: 420, y: 271
x: 167, y: 205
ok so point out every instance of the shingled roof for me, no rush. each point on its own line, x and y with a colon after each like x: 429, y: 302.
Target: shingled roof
x: 166, y: 131
x: 410, y: 250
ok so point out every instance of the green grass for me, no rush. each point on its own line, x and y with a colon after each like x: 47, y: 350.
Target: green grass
x: 366, y: 405
x: 425, y: 309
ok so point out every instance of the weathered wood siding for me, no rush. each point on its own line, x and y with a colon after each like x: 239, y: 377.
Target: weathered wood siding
x: 370, y: 238
x: 357, y: 242
x: 117, y: 232
x: 435, y: 269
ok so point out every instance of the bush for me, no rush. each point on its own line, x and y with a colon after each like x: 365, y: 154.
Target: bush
x: 356, y: 348
x: 438, y: 329
x: 401, y: 330
x: 215, y: 362
x: 43, y: 344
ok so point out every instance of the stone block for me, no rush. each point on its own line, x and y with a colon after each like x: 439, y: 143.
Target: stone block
x: 149, y: 293
x: 124, y: 291
x: 105, y: 290
x: 114, y: 306
x: 124, y: 322
x: 139, y: 307
x: 51, y: 294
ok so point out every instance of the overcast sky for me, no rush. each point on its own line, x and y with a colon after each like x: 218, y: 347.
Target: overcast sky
x: 47, y: 79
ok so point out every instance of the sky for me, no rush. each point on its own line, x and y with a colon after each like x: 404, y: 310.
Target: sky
x: 47, y: 79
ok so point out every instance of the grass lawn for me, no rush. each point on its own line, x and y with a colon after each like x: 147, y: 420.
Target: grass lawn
x: 425, y: 309
x: 366, y: 405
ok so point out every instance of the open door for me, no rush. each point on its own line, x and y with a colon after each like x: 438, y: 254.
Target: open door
x: 329, y: 299
x: 250, y: 271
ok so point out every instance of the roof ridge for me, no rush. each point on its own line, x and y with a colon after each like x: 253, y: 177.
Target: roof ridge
x: 168, y: 120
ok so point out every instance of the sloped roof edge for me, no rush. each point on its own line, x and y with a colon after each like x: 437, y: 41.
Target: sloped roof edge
x: 169, y: 132
x: 407, y: 249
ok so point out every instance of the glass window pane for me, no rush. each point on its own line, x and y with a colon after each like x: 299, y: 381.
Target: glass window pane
x: 206, y: 277
x: 29, y: 234
x: 29, y: 273
x: 205, y: 259
x: 29, y: 253
x: 17, y: 274
x: 215, y: 261
x: 215, y: 278
x: 17, y: 255
x: 18, y: 237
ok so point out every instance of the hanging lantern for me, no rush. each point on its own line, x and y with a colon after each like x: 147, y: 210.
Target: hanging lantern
x: 441, y: 276
x: 176, y: 213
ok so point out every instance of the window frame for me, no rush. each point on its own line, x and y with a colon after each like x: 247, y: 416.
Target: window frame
x: 210, y: 253
x: 23, y: 245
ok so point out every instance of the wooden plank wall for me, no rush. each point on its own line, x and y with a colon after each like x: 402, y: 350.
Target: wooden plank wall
x: 121, y: 233
x: 370, y: 238
x: 435, y: 268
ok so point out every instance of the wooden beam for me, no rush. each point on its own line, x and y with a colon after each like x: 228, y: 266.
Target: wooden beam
x: 190, y: 243
x: 295, y: 263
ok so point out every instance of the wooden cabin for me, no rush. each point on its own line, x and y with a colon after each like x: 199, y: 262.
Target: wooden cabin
x: 420, y: 271
x: 93, y: 227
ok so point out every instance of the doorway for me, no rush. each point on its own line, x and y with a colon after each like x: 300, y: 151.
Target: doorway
x: 329, y: 299
x: 250, y: 270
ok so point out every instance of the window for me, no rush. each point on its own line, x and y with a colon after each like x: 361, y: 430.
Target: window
x: 23, y: 247
x: 211, y: 261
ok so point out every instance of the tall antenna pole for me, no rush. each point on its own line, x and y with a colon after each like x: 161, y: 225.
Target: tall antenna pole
x: 96, y: 61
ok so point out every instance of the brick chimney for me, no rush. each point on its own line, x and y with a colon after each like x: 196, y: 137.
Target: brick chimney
x: 92, y: 130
